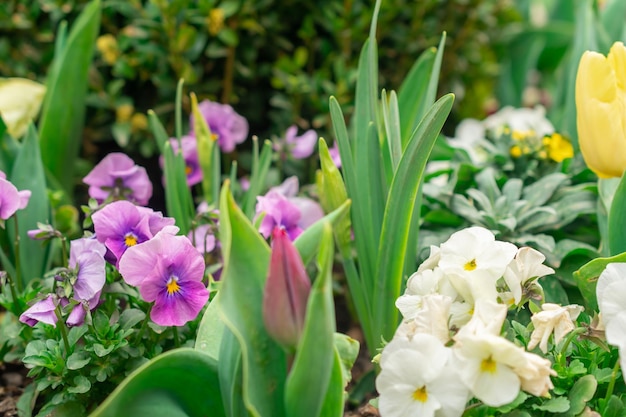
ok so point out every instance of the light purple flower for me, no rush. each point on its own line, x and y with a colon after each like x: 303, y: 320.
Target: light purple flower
x: 228, y: 126
x: 190, y: 155
x: 11, y: 200
x: 78, y: 313
x: 310, y: 210
x: 202, y: 238
x: 121, y: 225
x: 334, y: 154
x: 302, y: 146
x: 279, y: 211
x: 87, y: 259
x: 118, y: 177
x: 168, y: 271
x: 41, y: 311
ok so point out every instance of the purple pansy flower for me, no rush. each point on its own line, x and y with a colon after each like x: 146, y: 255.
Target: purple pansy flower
x: 121, y: 225
x: 190, y: 155
x: 334, y: 154
x: 300, y: 147
x: 310, y: 210
x: 11, y: 200
x: 118, y: 177
x: 225, y: 123
x: 87, y: 259
x: 203, y: 238
x: 279, y: 211
x: 168, y: 271
x: 41, y: 311
x: 79, y: 311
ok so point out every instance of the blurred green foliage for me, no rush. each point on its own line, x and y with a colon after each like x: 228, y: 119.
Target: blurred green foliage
x: 276, y: 62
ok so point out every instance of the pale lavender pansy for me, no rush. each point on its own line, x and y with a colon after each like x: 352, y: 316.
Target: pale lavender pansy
x: 189, y: 149
x: 169, y: 271
x: 300, y: 147
x: 118, y: 177
x: 229, y: 127
x: 42, y: 311
x: 11, y: 200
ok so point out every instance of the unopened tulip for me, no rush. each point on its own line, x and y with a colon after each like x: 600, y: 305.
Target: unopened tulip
x: 600, y: 107
x: 286, y: 292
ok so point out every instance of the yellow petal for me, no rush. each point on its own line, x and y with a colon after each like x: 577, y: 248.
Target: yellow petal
x: 20, y: 101
x: 601, y: 111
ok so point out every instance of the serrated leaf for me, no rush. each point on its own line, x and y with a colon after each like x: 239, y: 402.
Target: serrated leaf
x: 78, y: 360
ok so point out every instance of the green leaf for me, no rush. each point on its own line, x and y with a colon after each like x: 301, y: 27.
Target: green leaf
x: 582, y: 391
x: 398, y: 213
x: 260, y: 168
x: 206, y: 145
x: 28, y: 174
x: 209, y: 335
x: 78, y: 360
x: 587, y: 277
x: 63, y: 111
x: 263, y: 360
x: 333, y: 404
x: 184, y: 382
x: 178, y: 199
x: 617, y: 220
x: 307, y: 385
x: 553, y: 405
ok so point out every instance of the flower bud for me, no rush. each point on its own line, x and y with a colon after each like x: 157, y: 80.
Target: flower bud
x: 286, y: 291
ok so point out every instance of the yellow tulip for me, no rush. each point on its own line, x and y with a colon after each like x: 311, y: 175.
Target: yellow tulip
x: 601, y: 110
x: 20, y: 101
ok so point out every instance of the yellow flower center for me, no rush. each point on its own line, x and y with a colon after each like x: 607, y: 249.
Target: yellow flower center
x: 214, y: 136
x: 130, y: 240
x: 488, y: 365
x: 470, y: 266
x: 172, y: 286
x: 420, y: 394
x: 188, y: 169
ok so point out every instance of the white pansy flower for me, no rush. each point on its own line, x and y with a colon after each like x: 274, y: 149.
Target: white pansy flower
x: 432, y: 261
x: 416, y: 379
x: 486, y: 364
x: 520, y: 120
x: 473, y: 260
x: 552, y: 319
x: 528, y: 264
x: 611, y: 293
x: 488, y: 318
x: 433, y: 317
x: 20, y: 101
x: 535, y: 375
x: 420, y: 284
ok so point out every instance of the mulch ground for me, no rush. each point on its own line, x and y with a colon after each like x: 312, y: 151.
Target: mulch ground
x: 12, y: 383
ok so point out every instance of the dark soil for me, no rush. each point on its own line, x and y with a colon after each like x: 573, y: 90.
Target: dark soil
x: 12, y: 383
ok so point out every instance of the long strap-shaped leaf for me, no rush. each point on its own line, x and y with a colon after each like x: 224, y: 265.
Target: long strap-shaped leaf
x: 183, y: 382
x: 398, y: 213
x: 246, y: 260
x: 617, y: 220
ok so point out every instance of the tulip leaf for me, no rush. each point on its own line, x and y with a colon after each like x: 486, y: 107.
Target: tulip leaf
x: 617, y: 220
x: 209, y: 335
x: 316, y: 345
x: 333, y: 404
x: 178, y: 199
x: 183, y: 382
x: 63, y: 113
x: 393, y: 243
x: 230, y: 374
x: 28, y: 174
x: 206, y: 148
x: 246, y: 261
x: 260, y: 168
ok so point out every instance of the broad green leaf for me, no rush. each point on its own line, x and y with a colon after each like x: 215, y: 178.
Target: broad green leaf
x: 63, y: 113
x: 617, y: 220
x: 28, y: 174
x: 210, y: 331
x: 587, y: 277
x: 230, y: 373
x: 391, y: 118
x: 185, y: 377
x: 582, y: 391
x: 333, y: 404
x: 398, y: 212
x: 307, y: 385
x: 246, y: 261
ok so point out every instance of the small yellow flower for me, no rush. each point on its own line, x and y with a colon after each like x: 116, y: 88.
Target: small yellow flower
x: 107, y: 46
x: 138, y: 122
x: 600, y: 104
x: 558, y: 147
x: 516, y: 151
x: 215, y: 21
x: 123, y: 113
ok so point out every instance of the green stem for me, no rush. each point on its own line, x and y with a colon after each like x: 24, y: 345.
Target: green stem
x: 64, y: 251
x: 609, y: 389
x: 18, y: 276
x: 17, y: 302
x: 573, y: 334
x: 176, y: 337
x: 144, y: 324
x: 62, y: 329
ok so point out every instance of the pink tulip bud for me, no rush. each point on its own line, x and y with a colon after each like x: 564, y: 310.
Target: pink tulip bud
x: 286, y: 291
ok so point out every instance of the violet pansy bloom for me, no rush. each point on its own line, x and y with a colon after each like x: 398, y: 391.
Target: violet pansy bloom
x: 42, y: 311
x: 189, y: 149
x: 11, y: 200
x: 279, y: 212
x: 310, y: 210
x: 300, y: 147
x: 78, y: 313
x: 168, y: 271
x: 118, y: 176
x: 87, y: 259
x: 225, y: 123
x: 121, y: 225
